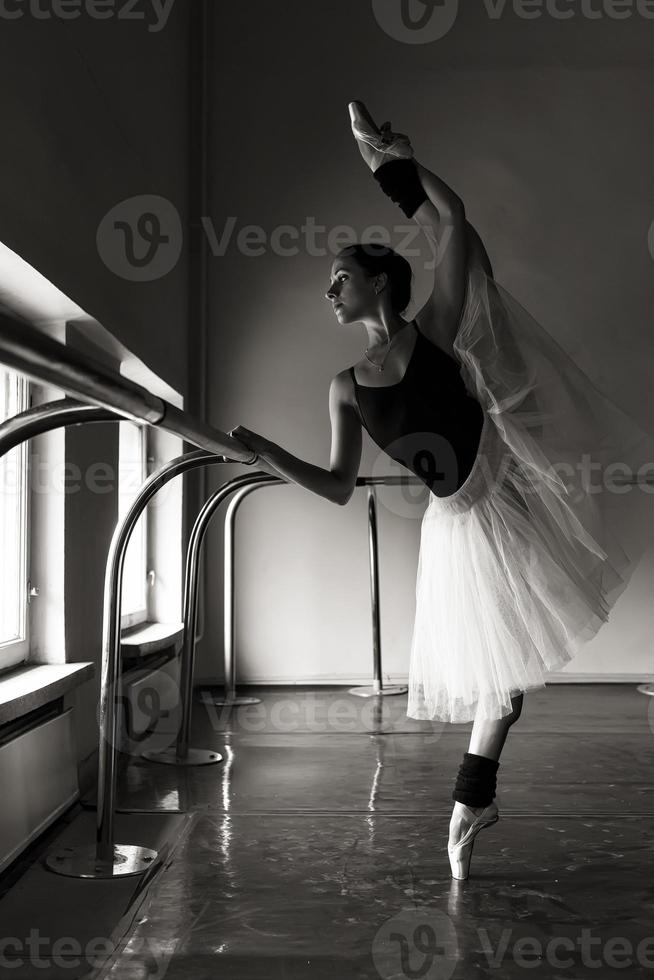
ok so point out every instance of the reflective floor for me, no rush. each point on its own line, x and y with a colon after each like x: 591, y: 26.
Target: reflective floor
x: 317, y: 848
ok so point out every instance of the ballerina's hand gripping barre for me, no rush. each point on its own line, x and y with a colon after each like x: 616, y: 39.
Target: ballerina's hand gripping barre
x: 273, y: 459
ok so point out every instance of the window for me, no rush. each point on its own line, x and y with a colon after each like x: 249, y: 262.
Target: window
x: 132, y: 474
x: 14, y: 638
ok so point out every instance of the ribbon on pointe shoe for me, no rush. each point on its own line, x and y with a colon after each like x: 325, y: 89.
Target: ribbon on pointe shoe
x: 460, y: 852
x: 377, y: 146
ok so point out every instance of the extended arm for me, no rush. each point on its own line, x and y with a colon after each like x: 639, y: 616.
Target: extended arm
x: 307, y: 475
x: 335, y: 484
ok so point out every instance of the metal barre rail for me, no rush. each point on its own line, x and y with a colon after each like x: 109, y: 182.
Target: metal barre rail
x: 27, y: 350
x: 52, y: 415
x: 32, y: 353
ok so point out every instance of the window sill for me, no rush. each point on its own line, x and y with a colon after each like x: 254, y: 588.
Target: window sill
x: 32, y: 685
x: 29, y: 686
x: 148, y: 638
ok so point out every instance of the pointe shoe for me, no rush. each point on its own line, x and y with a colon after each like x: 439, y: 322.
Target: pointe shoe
x: 460, y: 852
x: 377, y: 146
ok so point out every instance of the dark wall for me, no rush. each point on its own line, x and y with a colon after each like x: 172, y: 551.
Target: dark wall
x: 539, y: 125
x: 94, y: 112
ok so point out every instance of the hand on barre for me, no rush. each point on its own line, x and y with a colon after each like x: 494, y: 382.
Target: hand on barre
x: 251, y: 440
x: 257, y: 444
x: 245, y: 447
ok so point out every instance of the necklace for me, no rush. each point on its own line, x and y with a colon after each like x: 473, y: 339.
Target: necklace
x: 380, y: 367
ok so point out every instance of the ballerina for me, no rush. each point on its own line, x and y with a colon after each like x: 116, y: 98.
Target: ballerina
x: 518, y: 565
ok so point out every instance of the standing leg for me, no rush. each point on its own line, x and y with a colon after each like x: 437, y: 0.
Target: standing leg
x: 488, y: 737
x: 475, y: 788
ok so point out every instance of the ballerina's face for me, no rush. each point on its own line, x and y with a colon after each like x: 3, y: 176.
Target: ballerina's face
x: 352, y: 291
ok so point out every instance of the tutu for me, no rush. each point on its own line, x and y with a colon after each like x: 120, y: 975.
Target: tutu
x: 522, y: 564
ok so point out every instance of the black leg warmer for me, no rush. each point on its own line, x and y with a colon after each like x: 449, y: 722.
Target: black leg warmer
x: 399, y: 180
x: 476, y: 781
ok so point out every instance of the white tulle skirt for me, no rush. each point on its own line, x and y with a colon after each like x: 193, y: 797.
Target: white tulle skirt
x: 522, y: 565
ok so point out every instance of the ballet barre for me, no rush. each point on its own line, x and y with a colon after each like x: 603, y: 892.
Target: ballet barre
x: 240, y: 488
x: 106, y: 858
x: 112, y: 397
x: 34, y: 354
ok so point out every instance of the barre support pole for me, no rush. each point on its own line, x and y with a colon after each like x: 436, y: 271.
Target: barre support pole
x: 181, y: 754
x: 377, y: 687
x: 105, y: 858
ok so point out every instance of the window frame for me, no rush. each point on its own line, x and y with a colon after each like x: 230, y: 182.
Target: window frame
x: 16, y: 651
x: 139, y: 616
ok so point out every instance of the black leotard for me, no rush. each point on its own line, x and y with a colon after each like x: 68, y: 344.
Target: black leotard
x: 427, y: 421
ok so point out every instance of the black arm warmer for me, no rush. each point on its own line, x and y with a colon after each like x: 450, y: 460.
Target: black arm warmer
x: 399, y: 180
